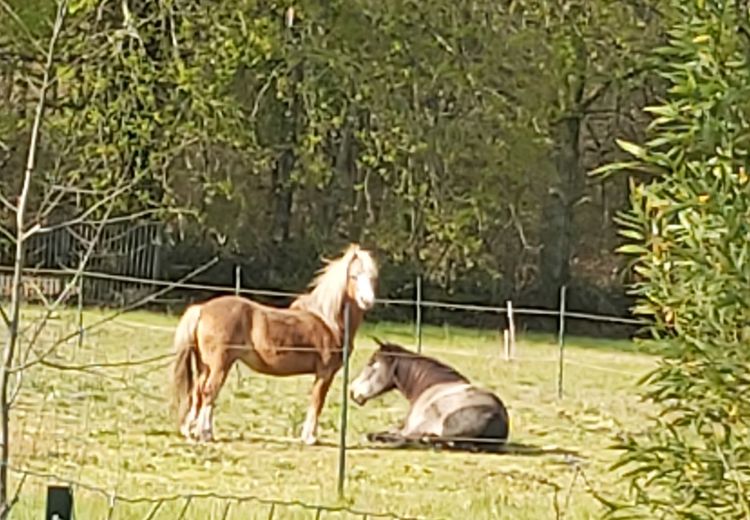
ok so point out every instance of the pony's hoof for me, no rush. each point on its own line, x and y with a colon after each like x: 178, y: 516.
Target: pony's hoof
x: 386, y: 436
x: 206, y: 437
x: 309, y: 440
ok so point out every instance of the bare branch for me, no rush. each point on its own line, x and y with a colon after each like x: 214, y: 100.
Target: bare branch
x: 13, y: 392
x: 519, y: 228
x: 51, y: 197
x: 111, y: 364
x: 6, y: 508
x: 5, y: 202
x: 8, y: 9
x: 10, y: 236
x: 109, y: 198
x: 139, y: 303
x: 15, y: 305
x: 262, y: 91
x: 42, y: 322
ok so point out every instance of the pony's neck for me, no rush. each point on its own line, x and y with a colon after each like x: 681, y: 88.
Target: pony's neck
x: 414, y: 374
x: 328, y: 296
x: 332, y: 315
x: 356, y: 316
x: 405, y: 377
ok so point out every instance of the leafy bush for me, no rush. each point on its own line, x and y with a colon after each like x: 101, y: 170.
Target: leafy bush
x: 689, y: 231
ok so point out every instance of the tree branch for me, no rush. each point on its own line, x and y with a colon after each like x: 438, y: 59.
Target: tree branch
x: 139, y: 303
x: 15, y: 305
x: 8, y: 9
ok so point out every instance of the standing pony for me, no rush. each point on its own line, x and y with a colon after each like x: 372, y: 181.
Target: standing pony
x: 306, y: 338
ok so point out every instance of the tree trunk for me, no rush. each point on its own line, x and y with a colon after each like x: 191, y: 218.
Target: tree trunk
x: 283, y: 195
x: 557, y: 212
x: 283, y: 187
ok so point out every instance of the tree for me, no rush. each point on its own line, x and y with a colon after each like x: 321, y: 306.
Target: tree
x: 591, y: 55
x: 111, y: 107
x: 13, y: 318
x: 687, y: 230
x: 453, y: 137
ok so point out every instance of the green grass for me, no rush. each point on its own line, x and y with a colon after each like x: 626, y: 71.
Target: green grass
x: 111, y: 428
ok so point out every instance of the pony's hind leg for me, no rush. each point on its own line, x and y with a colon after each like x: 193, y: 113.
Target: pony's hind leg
x: 189, y: 427
x: 217, y: 374
x: 317, y: 399
x: 192, y: 415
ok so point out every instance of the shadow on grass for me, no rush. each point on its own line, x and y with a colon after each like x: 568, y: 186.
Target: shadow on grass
x: 510, y: 448
x: 373, y: 444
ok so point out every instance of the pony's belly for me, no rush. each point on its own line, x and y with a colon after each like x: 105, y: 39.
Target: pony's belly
x: 283, y: 364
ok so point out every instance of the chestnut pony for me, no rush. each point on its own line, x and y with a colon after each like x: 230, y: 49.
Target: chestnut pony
x: 305, y: 338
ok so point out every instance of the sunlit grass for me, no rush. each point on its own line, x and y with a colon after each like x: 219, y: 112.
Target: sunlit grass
x: 111, y: 428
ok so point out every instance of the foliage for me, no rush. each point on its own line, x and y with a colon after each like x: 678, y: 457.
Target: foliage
x: 688, y: 230
x: 454, y: 138
x: 140, y: 87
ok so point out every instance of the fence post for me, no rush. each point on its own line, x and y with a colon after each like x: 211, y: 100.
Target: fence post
x: 80, y: 310
x: 344, y: 404
x: 561, y: 342
x: 59, y: 503
x: 511, y: 332
x: 418, y: 321
x: 237, y: 287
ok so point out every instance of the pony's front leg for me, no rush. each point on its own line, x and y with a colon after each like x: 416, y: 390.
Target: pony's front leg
x: 317, y: 399
x: 391, y: 436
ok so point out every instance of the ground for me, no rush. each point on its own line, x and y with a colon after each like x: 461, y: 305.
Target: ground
x: 110, y: 430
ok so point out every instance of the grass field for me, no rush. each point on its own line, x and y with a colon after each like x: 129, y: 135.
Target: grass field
x: 110, y: 428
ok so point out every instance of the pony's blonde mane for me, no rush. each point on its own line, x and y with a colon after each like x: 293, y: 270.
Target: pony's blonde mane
x: 328, y: 288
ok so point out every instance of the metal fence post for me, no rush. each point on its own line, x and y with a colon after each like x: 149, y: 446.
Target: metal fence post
x: 418, y: 330
x: 344, y: 404
x: 561, y: 342
x: 80, y: 310
x: 237, y: 287
x: 511, y: 332
x: 59, y: 503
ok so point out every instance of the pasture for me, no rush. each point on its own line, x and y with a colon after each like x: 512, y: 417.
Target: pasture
x: 109, y: 429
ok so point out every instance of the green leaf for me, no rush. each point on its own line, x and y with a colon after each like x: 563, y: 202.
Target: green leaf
x: 632, y: 249
x: 632, y: 148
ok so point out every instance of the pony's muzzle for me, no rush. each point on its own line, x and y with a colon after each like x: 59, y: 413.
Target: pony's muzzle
x: 365, y: 293
x: 357, y: 398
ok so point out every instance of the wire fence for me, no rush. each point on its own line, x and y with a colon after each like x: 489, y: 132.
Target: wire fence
x: 275, y: 506
x: 156, y: 362
x: 153, y: 282
x: 510, y: 350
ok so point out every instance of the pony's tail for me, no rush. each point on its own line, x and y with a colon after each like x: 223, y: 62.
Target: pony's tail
x: 185, y: 351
